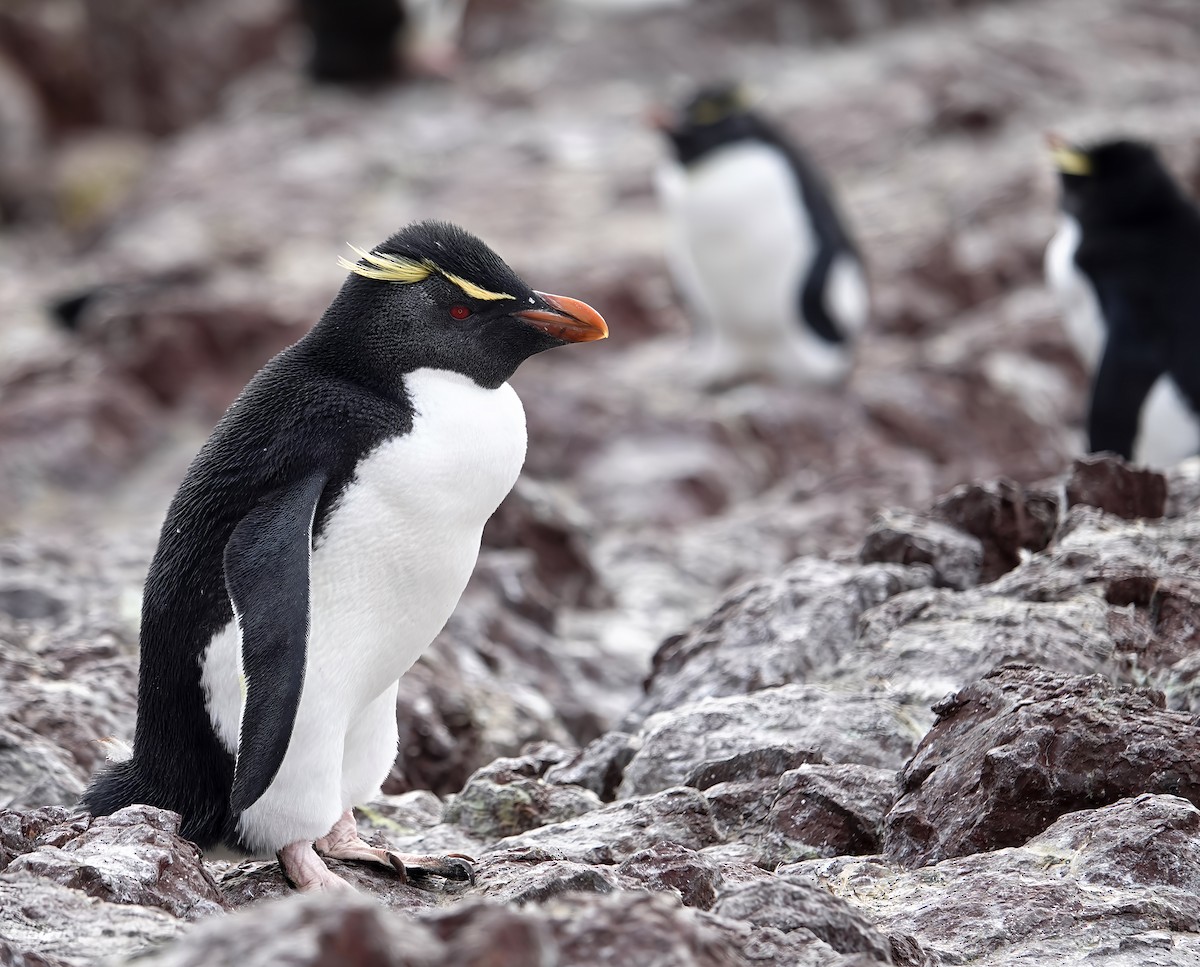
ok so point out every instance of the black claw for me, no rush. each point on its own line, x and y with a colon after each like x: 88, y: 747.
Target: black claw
x: 449, y: 867
x: 398, y: 866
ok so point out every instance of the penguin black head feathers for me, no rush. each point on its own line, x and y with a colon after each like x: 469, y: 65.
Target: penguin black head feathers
x: 716, y: 115
x: 1113, y: 182
x: 434, y: 295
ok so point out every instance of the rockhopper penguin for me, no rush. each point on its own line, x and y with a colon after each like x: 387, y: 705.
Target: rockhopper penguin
x: 1125, y: 264
x: 318, y: 543
x: 758, y: 248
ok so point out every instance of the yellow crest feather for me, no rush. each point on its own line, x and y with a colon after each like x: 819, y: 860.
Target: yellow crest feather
x: 1071, y: 162
x: 396, y: 268
x: 473, y: 290
x: 385, y: 268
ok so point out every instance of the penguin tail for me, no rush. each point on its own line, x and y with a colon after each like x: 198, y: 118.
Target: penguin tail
x: 116, y: 786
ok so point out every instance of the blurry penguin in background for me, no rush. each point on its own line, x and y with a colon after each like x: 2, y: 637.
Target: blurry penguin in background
x: 1125, y: 264
x: 372, y: 41
x: 758, y: 248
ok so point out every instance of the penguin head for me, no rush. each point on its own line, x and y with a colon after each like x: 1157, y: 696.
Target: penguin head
x: 715, y: 116
x: 433, y: 295
x: 1112, y: 182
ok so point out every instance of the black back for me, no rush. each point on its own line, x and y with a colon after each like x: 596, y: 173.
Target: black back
x: 352, y: 41
x: 317, y: 408
x: 717, y: 117
x: 1140, y: 249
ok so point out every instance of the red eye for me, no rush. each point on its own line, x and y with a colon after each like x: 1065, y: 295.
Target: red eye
x: 459, y: 312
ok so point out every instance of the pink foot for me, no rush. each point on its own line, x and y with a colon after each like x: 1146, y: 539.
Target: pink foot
x: 307, y: 873
x: 343, y: 843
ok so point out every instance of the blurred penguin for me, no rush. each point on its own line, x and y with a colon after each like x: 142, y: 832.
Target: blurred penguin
x: 1125, y: 264
x: 372, y: 41
x: 758, y: 248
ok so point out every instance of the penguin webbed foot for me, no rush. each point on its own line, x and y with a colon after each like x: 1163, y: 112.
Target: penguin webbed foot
x: 303, y: 868
x: 343, y: 843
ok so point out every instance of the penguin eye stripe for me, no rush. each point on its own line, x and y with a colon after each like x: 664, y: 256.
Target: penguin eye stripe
x: 459, y: 312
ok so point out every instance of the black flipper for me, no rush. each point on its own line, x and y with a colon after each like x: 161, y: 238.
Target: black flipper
x: 1132, y: 363
x: 266, y: 574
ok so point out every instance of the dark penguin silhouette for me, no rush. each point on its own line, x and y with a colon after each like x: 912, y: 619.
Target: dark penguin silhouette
x: 373, y: 41
x: 1125, y: 263
x: 758, y: 247
x: 318, y: 543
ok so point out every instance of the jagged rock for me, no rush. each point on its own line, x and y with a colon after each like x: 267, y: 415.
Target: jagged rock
x: 788, y: 906
x: 844, y: 726
x: 599, y: 766
x: 34, y: 772
x: 763, y: 763
x: 1113, y: 887
x: 1108, y: 483
x: 669, y: 866
x: 777, y: 630
x: 310, y: 931
x: 927, y: 643
x: 616, y: 831
x: 134, y: 856
x: 22, y: 832
x: 620, y: 930
x: 899, y: 537
x: 498, y: 802
x: 1011, y: 753
x: 39, y: 918
x: 1006, y: 518
x: 402, y: 815
x: 826, y: 810
x: 536, y: 874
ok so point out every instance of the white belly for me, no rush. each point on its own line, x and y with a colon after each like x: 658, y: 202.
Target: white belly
x: 741, y: 244
x: 1168, y: 428
x: 1081, y: 310
x: 385, y: 575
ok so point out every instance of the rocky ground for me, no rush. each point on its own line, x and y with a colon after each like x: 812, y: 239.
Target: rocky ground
x: 774, y: 677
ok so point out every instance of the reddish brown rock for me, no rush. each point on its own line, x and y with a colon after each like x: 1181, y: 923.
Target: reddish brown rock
x: 669, y: 866
x: 1006, y: 518
x: 1012, y: 752
x: 1109, y: 483
x: 827, y: 810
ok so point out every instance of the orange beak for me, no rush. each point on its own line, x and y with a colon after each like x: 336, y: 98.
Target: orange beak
x: 566, y: 319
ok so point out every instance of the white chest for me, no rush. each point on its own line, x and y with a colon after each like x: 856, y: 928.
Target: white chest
x: 748, y: 235
x: 1081, y: 310
x: 397, y: 549
x: 403, y: 538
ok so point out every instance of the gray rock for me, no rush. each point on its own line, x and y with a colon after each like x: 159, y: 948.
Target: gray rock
x: 536, y: 874
x: 491, y: 809
x: 306, y: 932
x: 786, y: 906
x: 134, y: 856
x: 764, y: 763
x: 39, y: 918
x: 1114, y: 886
x: 599, y: 766
x: 1021, y: 747
x: 901, y: 537
x: 844, y: 726
x: 33, y: 772
x: 620, y: 829
x: 778, y: 630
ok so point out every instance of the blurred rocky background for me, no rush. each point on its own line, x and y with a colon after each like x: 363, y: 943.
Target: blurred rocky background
x: 871, y: 676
